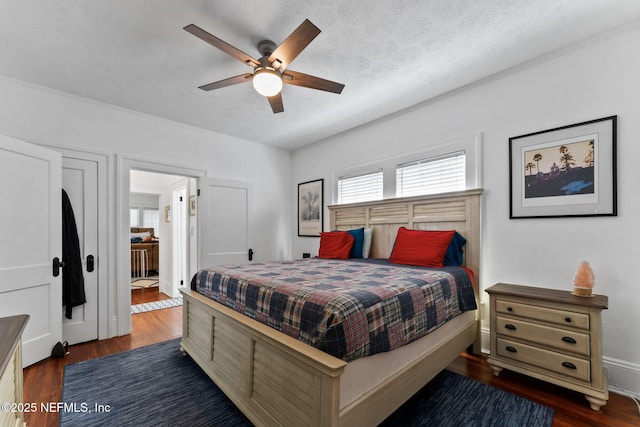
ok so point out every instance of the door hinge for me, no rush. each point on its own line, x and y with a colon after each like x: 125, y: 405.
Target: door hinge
x: 198, y: 191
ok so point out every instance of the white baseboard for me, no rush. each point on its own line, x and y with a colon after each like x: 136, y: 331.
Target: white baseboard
x: 485, y: 339
x: 624, y: 376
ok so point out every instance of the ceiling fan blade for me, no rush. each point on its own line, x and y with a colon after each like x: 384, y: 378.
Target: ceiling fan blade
x: 276, y: 103
x: 293, y: 45
x: 227, y: 82
x: 222, y: 45
x: 305, y: 80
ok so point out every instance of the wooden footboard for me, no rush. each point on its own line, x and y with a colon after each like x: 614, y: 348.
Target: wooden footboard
x: 272, y: 378
x: 277, y: 380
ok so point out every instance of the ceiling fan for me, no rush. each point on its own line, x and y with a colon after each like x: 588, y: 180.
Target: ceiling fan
x: 270, y: 71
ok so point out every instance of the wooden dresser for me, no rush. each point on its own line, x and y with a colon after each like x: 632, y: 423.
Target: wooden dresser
x: 551, y: 335
x: 11, y: 329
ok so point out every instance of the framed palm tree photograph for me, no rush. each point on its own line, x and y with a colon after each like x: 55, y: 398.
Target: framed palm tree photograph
x: 310, y: 206
x: 567, y: 171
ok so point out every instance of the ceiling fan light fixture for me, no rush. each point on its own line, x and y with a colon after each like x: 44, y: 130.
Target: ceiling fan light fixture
x: 267, y: 81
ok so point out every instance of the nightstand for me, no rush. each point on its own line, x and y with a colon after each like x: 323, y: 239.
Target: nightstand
x: 551, y: 335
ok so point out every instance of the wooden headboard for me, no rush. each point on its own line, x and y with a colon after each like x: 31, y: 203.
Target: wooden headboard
x: 449, y: 211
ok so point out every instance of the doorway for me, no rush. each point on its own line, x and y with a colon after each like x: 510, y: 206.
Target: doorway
x: 161, y: 242
x: 124, y: 167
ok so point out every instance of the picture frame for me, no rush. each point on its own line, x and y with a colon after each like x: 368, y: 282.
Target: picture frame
x: 192, y: 205
x: 568, y: 171
x: 310, y: 208
x: 167, y: 213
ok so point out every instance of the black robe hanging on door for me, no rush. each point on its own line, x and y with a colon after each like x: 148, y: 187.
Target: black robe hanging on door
x: 72, y: 279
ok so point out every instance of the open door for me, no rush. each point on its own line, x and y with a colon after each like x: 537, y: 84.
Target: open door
x: 223, y: 222
x: 80, y: 181
x: 31, y: 230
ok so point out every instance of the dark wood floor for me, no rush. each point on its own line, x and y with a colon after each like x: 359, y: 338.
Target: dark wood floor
x: 43, y: 380
x: 140, y: 296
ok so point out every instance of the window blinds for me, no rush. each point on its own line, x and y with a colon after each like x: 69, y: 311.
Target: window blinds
x: 360, y: 188
x: 434, y: 175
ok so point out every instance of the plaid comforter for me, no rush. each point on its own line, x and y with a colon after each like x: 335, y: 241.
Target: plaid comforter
x: 347, y: 308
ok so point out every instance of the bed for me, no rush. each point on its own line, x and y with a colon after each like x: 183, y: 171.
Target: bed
x: 275, y: 379
x: 144, y: 252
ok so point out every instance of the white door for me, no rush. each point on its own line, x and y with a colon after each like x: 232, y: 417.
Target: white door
x: 179, y: 238
x: 80, y: 181
x: 31, y: 230
x: 223, y: 222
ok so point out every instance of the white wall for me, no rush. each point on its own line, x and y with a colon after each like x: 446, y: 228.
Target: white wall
x: 590, y: 82
x: 46, y: 117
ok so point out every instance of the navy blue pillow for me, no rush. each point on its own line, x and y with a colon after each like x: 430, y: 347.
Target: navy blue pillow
x: 454, y: 255
x: 358, y: 242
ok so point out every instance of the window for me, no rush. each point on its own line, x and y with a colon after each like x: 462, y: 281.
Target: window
x: 151, y: 219
x: 134, y: 219
x: 360, y: 188
x: 453, y: 165
x: 433, y: 175
x: 145, y: 218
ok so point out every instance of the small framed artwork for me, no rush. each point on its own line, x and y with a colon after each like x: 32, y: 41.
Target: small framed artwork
x: 310, y: 208
x: 167, y: 213
x: 564, y: 172
x: 192, y: 205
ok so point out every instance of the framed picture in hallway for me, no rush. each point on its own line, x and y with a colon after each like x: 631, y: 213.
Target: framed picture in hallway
x: 564, y: 172
x: 310, y: 206
x: 192, y: 205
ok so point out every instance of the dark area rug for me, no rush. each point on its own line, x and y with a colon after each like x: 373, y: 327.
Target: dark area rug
x: 453, y: 400
x: 157, y: 386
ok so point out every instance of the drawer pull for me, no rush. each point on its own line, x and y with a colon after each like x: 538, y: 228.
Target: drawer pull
x: 509, y: 308
x: 511, y: 349
x: 567, y: 319
x: 568, y: 340
x: 569, y: 365
x: 510, y: 327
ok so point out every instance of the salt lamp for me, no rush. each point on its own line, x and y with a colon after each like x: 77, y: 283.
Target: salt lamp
x: 583, y: 280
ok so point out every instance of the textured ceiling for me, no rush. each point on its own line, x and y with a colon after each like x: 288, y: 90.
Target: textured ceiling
x: 390, y: 54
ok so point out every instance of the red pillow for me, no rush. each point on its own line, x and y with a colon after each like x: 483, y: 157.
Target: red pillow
x: 335, y: 244
x: 425, y: 248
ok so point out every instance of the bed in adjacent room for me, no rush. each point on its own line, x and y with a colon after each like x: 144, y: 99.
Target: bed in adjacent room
x: 144, y: 252
x: 331, y: 342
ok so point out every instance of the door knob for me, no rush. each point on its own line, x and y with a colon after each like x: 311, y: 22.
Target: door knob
x: 57, y: 265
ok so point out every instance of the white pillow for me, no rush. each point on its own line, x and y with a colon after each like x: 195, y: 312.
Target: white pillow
x: 366, y: 245
x: 143, y: 235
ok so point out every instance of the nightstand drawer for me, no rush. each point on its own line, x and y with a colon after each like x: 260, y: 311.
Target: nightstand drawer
x: 560, y: 317
x: 545, y: 359
x: 561, y: 339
